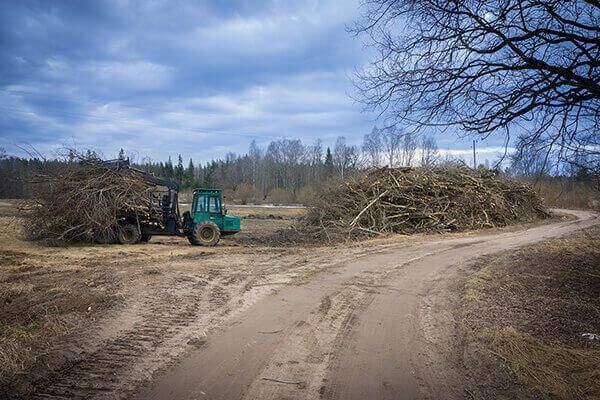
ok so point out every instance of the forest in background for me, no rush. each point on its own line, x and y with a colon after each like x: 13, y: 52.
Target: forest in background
x: 288, y: 171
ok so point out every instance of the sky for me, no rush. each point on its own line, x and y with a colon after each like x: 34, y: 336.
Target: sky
x: 201, y: 79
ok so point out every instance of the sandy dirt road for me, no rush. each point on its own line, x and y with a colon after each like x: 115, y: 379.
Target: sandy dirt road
x: 371, y: 327
x: 375, y: 319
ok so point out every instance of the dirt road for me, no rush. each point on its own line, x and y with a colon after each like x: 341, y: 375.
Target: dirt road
x: 359, y: 330
x: 369, y: 321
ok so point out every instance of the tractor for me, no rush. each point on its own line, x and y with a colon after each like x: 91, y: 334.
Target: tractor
x: 203, y: 225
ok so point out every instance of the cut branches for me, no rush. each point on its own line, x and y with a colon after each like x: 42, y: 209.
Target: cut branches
x: 413, y: 200
x: 78, y: 201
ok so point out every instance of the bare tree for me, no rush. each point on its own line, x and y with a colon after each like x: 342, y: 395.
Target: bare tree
x: 488, y: 66
x: 391, y: 140
x: 429, y: 151
x: 344, y: 156
x: 530, y: 161
x: 372, y: 147
x: 409, y: 148
x: 255, y: 154
x: 314, y: 154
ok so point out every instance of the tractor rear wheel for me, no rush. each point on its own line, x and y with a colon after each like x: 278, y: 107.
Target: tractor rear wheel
x: 105, y: 237
x: 128, y: 234
x: 205, y: 233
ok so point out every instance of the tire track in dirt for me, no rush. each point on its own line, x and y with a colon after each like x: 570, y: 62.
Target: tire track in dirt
x: 168, y: 308
x: 165, y: 321
x: 347, y: 332
x: 316, y: 341
x: 399, y: 347
x: 237, y: 352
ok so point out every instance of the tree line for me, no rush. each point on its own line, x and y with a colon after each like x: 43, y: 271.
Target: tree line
x: 287, y: 170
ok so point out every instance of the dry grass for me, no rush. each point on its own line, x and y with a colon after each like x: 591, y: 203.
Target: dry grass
x: 569, y: 194
x: 530, y: 309
x: 552, y: 371
x: 287, y: 213
x: 42, y: 298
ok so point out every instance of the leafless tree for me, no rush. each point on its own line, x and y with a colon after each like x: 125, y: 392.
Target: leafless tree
x: 530, y: 161
x: 372, y: 147
x: 314, y: 154
x: 255, y: 154
x: 409, y: 148
x: 488, y: 66
x: 429, y: 151
x: 391, y: 141
x: 344, y: 156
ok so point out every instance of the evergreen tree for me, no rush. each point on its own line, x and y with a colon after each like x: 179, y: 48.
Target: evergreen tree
x: 329, y: 167
x: 189, y: 175
x: 169, y: 171
x: 209, y: 174
x: 179, y: 171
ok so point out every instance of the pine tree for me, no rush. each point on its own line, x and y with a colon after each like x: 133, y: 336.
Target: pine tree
x: 189, y: 175
x: 169, y: 169
x: 179, y: 171
x: 329, y: 168
x: 209, y: 175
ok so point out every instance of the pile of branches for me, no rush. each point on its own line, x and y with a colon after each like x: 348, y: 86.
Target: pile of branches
x: 413, y: 200
x: 77, y: 201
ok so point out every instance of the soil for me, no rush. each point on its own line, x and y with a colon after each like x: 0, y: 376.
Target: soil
x: 167, y: 320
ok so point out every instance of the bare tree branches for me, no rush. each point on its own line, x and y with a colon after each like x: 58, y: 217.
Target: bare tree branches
x: 488, y: 66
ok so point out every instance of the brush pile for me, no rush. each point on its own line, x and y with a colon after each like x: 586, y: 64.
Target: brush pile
x: 412, y: 200
x: 73, y: 202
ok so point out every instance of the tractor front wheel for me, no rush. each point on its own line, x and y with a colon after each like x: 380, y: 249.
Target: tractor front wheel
x: 128, y: 234
x: 205, y: 233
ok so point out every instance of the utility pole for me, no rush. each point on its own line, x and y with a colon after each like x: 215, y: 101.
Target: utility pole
x: 474, y: 156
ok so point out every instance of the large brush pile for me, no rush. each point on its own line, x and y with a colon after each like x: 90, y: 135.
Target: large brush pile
x: 73, y: 202
x: 411, y: 200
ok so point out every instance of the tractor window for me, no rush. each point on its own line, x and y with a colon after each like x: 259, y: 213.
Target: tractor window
x: 214, y: 205
x: 201, y: 204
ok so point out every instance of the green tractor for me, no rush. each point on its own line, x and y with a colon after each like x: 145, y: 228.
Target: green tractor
x: 203, y: 225
x: 208, y: 219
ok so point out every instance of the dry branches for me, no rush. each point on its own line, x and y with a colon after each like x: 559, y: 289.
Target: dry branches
x: 410, y: 200
x: 75, y: 201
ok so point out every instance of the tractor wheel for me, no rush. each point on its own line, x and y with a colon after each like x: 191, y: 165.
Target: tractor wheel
x: 205, y: 233
x: 105, y: 237
x: 128, y: 234
x: 145, y: 238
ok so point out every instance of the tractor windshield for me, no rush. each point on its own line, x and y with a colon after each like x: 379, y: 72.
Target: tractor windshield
x: 214, y: 205
x: 208, y: 203
x: 201, y: 203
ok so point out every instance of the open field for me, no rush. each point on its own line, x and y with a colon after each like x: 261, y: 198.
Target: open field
x: 243, y: 319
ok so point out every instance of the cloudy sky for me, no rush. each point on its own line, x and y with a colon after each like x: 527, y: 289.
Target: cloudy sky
x: 202, y: 78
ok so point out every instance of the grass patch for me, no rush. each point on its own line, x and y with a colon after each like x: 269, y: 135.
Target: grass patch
x: 529, y: 310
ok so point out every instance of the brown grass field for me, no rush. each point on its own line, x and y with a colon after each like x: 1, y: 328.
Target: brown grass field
x: 524, y: 315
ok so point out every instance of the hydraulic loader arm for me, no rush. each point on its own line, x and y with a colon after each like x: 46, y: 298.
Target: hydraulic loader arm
x: 124, y: 165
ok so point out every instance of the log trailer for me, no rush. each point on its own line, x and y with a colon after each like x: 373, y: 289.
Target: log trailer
x: 203, y: 225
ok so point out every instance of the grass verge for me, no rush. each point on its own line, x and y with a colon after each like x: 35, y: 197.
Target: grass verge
x: 527, y: 311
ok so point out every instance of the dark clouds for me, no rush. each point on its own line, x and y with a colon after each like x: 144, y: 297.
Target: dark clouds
x: 166, y: 77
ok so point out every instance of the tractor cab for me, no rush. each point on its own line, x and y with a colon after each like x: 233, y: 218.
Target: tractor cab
x: 209, y: 219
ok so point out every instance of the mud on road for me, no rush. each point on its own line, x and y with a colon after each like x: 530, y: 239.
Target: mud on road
x: 353, y: 321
